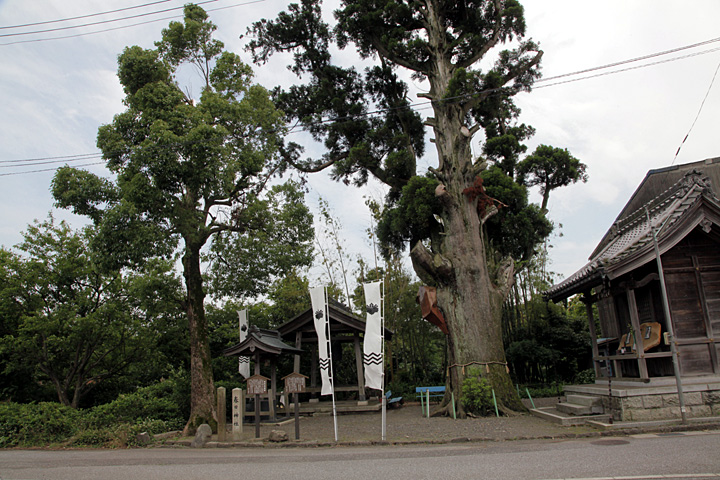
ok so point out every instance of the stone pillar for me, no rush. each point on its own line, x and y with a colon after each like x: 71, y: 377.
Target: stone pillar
x: 238, y: 412
x: 221, y: 412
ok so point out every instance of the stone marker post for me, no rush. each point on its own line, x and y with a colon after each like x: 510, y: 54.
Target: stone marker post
x: 238, y: 412
x: 221, y: 412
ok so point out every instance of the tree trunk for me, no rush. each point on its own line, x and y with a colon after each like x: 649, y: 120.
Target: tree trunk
x: 202, y: 397
x: 468, y: 292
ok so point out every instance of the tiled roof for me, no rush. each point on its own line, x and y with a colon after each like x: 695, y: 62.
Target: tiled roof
x: 633, y: 232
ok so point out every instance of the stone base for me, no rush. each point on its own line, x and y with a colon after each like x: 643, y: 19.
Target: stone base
x: 647, y: 402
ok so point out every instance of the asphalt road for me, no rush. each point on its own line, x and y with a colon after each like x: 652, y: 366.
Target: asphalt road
x: 692, y: 455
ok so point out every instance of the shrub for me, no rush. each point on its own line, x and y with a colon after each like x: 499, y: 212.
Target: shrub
x: 36, y: 424
x: 584, y: 377
x: 477, y: 394
x: 159, y: 402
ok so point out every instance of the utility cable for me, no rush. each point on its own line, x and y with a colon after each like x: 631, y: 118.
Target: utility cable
x: 47, y: 169
x: 137, y: 24
x: 101, y: 22
x: 427, y: 104
x: 698, y: 114
x: 48, y: 22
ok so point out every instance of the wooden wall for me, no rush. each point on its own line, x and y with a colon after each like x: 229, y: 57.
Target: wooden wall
x: 692, y: 275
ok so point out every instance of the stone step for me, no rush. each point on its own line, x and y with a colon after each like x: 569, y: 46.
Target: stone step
x: 580, y: 410
x: 553, y: 415
x: 587, y: 400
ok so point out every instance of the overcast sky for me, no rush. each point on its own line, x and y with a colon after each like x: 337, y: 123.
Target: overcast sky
x: 56, y: 93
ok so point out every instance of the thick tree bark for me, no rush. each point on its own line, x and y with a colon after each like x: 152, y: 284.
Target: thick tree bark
x: 202, y: 398
x: 470, y: 293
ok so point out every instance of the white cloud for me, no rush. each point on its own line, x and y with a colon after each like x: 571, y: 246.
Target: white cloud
x: 56, y: 94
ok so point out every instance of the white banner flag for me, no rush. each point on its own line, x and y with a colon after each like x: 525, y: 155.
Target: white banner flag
x: 320, y: 317
x: 372, y: 346
x: 244, y: 362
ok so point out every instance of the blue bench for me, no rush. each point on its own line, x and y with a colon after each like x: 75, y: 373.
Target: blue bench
x: 425, y: 393
x: 391, y: 402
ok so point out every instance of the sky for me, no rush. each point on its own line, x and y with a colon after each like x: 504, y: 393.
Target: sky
x: 620, y: 121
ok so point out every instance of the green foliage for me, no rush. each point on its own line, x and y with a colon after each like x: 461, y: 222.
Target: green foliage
x: 75, y: 325
x: 192, y: 173
x: 245, y: 264
x: 477, y: 394
x: 411, y: 219
x: 158, y: 408
x: 551, y: 168
x: 519, y: 227
x: 36, y: 424
x: 585, y: 377
x: 166, y: 401
x: 552, y: 347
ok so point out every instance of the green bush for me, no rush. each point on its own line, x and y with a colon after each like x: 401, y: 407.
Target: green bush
x: 584, y: 377
x: 160, y: 402
x: 477, y: 394
x: 93, y: 437
x: 36, y: 424
x: 154, y: 409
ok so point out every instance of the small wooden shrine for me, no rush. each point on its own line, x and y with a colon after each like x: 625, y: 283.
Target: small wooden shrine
x: 345, y: 327
x: 677, y: 208
x: 264, y: 345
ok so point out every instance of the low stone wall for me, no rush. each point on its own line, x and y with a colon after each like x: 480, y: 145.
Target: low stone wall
x: 653, y: 403
x: 662, y: 407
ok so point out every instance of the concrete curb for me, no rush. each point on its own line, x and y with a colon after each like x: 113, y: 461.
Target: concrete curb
x: 617, y: 430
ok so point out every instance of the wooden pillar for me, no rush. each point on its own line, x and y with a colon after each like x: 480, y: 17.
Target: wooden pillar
x: 587, y: 299
x: 706, y: 315
x: 360, y: 370
x: 313, y: 367
x: 637, y: 334
x: 273, y: 388
x: 298, y: 344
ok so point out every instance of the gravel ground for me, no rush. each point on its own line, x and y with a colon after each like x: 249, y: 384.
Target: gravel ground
x: 407, y: 425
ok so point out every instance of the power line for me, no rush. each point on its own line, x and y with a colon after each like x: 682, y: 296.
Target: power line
x: 51, y: 158
x: 63, y: 37
x: 32, y: 164
x: 632, y: 60
x: 101, y: 22
x: 702, y: 104
x: 47, y: 169
x: 83, y: 16
x: 426, y: 104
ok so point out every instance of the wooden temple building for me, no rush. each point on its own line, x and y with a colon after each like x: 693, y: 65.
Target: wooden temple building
x: 345, y: 327
x: 678, y: 209
x: 265, y: 347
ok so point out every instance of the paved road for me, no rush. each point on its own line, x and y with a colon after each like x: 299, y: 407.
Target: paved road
x: 668, y: 456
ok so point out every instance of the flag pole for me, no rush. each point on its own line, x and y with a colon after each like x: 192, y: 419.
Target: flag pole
x: 382, y: 349
x: 332, y: 376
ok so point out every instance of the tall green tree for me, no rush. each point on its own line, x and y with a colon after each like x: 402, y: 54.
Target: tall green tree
x: 78, y: 325
x: 369, y: 128
x: 189, y: 170
x: 551, y: 168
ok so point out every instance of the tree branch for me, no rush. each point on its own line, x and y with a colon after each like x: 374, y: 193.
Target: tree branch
x: 497, y: 32
x: 430, y: 267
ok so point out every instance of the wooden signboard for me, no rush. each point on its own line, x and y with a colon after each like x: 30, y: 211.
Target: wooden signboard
x: 257, y: 385
x: 295, y: 383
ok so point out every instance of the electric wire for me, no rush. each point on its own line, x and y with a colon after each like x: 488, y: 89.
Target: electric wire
x: 101, y: 22
x: 47, y: 169
x: 428, y: 104
x: 122, y: 27
x: 90, y: 15
x: 702, y: 104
